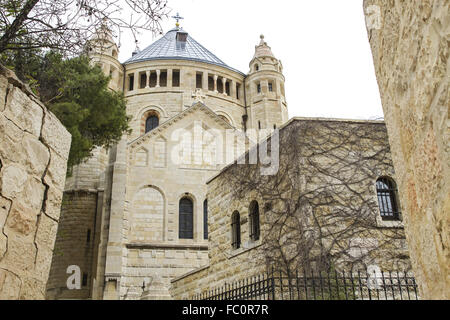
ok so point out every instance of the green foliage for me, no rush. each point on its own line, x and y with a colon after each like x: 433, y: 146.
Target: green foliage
x: 77, y: 93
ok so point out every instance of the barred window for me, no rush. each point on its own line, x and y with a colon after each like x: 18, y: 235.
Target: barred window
x: 236, y: 230
x: 205, y: 220
x: 254, y: 221
x: 186, y: 216
x: 151, y: 123
x: 387, y: 199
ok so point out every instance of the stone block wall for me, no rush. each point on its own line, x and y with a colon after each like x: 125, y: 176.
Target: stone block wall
x: 34, y: 148
x: 310, y: 170
x: 75, y: 245
x: 410, y: 46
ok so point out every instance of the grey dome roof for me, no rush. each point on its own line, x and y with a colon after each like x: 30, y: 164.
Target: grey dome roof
x: 169, y: 48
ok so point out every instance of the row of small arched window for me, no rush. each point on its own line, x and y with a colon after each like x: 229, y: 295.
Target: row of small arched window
x: 387, y: 202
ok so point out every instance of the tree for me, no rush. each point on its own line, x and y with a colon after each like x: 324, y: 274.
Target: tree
x: 323, y: 198
x: 77, y: 93
x: 66, y: 25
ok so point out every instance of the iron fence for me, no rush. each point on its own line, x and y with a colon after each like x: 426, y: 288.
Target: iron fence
x: 319, y: 286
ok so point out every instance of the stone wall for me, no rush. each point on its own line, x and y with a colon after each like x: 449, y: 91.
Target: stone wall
x: 34, y: 149
x: 75, y: 245
x: 410, y: 46
x: 327, y: 177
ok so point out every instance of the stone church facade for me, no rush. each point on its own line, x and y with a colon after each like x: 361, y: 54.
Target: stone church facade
x: 134, y: 217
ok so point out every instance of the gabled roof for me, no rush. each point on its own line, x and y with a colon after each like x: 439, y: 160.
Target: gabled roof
x: 159, y: 130
x: 173, y: 47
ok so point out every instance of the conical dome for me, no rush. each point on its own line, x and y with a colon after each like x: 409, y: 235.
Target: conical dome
x: 263, y: 50
x: 177, y: 44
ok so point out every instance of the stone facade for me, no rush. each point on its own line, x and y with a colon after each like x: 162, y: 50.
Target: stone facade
x: 410, y: 45
x: 327, y: 183
x: 34, y: 148
x: 136, y: 249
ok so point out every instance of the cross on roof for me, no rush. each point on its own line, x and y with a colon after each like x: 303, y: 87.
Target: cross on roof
x: 178, y: 18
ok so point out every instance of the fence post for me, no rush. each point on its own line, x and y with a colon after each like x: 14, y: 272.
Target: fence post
x: 273, y: 286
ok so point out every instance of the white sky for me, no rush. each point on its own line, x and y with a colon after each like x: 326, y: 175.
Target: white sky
x: 322, y: 44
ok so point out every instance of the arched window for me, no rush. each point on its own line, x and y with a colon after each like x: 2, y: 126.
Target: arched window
x: 257, y: 67
x: 151, y: 123
x: 387, y: 199
x: 254, y: 221
x: 186, y: 216
x: 236, y: 230
x: 205, y: 220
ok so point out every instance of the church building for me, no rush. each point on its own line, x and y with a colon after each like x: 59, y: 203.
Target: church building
x: 135, y: 217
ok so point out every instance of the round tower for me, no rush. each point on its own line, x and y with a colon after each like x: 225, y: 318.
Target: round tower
x: 266, y: 90
x: 103, y: 51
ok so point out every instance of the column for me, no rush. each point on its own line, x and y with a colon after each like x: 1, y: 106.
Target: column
x: 215, y: 83
x: 136, y: 81
x: 224, y: 82
x: 148, y: 79
x: 158, y: 78
x: 169, y: 78
x: 233, y: 89
x: 205, y: 81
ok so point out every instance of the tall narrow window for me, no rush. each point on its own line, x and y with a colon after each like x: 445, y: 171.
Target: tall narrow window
x: 210, y: 83
x: 258, y: 88
x: 199, y: 80
x: 88, y: 236
x: 143, y: 80
x: 205, y: 220
x: 151, y: 123
x: 84, y: 282
x: 163, y: 79
x: 186, y: 216
x: 131, y: 82
x: 387, y: 199
x: 238, y: 90
x: 175, y: 78
x: 254, y: 221
x: 270, y: 86
x: 236, y: 230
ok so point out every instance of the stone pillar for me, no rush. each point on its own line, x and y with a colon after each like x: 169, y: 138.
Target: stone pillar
x: 224, y: 82
x: 136, y: 81
x: 158, y: 78
x: 205, y: 81
x: 233, y: 89
x: 148, y: 79
x: 169, y: 78
x: 215, y: 83
x: 113, y: 268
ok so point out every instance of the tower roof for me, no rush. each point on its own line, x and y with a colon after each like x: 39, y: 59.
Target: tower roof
x: 177, y: 44
x: 263, y: 50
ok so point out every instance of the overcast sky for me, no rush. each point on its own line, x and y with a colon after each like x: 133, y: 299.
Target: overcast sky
x: 322, y: 44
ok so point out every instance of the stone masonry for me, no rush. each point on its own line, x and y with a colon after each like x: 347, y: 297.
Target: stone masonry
x: 34, y: 148
x: 312, y: 172
x: 410, y: 45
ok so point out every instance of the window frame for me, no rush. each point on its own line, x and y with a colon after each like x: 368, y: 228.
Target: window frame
x: 387, y: 196
x: 255, y: 222
x: 236, y: 231
x: 186, y: 219
x: 205, y: 220
x: 152, y: 126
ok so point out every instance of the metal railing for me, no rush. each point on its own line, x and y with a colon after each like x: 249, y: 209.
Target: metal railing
x: 332, y: 285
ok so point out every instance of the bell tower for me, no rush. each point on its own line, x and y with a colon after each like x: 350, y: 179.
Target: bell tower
x: 104, y: 52
x: 266, y: 90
